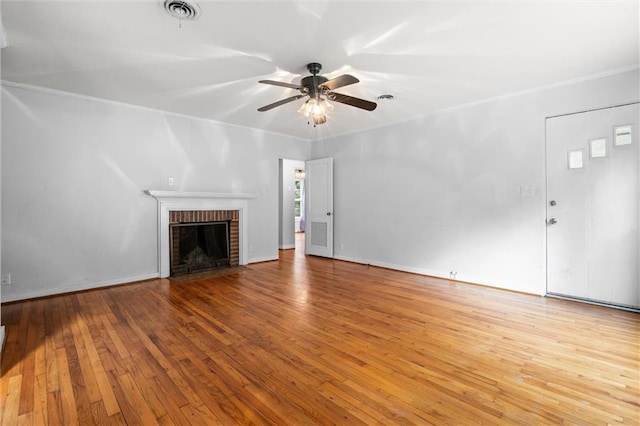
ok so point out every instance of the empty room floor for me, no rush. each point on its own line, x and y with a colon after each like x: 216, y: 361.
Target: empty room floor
x: 308, y: 340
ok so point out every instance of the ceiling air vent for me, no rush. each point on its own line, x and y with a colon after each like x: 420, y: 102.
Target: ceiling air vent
x: 182, y: 9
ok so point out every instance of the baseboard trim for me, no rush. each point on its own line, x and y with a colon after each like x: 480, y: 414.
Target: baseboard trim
x: 629, y: 308
x: 262, y: 259
x: 90, y: 286
x: 401, y: 268
x: 463, y: 279
x: 78, y: 287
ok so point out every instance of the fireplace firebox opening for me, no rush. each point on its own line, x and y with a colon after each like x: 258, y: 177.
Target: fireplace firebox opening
x: 199, y: 246
x: 201, y: 240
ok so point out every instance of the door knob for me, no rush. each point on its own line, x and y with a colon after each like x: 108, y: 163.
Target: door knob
x: 328, y: 213
x: 551, y: 221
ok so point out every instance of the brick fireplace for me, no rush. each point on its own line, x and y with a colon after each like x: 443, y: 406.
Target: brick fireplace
x: 203, y: 240
x: 200, y: 207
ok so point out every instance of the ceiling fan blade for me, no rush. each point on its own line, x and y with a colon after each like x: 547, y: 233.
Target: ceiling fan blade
x: 282, y: 84
x: 350, y: 100
x: 340, y: 81
x: 281, y: 102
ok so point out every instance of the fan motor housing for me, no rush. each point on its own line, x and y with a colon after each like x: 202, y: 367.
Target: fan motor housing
x: 314, y: 67
x: 311, y: 83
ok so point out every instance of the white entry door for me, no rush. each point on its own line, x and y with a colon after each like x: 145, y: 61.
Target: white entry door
x: 593, y: 212
x: 319, y: 207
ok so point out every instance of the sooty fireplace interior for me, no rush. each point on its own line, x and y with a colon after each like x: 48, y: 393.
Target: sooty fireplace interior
x: 199, y: 246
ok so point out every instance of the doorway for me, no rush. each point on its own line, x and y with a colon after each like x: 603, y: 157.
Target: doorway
x: 291, y: 210
x: 593, y: 207
x: 319, y: 207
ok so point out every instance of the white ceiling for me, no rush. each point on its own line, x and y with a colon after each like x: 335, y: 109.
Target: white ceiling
x: 429, y: 55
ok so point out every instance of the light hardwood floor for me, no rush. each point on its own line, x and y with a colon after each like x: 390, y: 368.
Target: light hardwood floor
x: 317, y: 341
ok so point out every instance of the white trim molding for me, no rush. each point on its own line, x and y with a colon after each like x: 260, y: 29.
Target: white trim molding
x: 1, y: 339
x: 72, y: 288
x: 186, y: 201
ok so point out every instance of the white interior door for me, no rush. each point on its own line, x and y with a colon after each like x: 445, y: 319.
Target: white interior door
x: 319, y: 207
x: 593, y: 207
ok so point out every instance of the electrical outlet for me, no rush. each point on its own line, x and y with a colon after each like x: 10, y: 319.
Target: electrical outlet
x: 6, y: 279
x: 170, y: 181
x: 453, y: 274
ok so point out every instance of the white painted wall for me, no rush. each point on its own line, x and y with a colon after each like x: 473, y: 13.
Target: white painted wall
x: 73, y: 170
x: 3, y: 42
x: 463, y: 190
x: 287, y: 213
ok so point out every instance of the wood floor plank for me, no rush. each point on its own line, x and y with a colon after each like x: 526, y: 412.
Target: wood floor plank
x: 52, y: 381
x: 199, y: 415
x: 67, y: 398
x: 54, y: 408
x: 99, y: 414
x: 308, y: 340
x: 40, y: 369
x: 116, y: 341
x: 12, y: 401
x: 87, y: 370
x: 101, y: 379
x: 132, y: 392
x: 127, y: 402
x: 29, y: 362
x: 40, y: 409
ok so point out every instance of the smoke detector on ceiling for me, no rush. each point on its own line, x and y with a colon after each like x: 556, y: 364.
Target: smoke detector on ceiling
x: 182, y: 9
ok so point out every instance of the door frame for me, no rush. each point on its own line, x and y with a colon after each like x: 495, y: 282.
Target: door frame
x: 548, y: 214
x: 280, y: 245
x: 321, y: 213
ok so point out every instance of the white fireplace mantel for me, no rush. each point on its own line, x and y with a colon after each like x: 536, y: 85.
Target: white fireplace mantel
x: 176, y: 195
x: 184, y: 201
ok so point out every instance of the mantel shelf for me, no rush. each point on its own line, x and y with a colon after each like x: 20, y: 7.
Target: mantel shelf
x: 167, y: 195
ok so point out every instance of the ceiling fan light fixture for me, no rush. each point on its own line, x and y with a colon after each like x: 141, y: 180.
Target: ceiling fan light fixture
x: 319, y: 89
x: 319, y: 119
x: 326, y: 106
x: 316, y: 109
x: 307, y: 108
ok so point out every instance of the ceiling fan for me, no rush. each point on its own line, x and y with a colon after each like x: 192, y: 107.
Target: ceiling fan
x: 319, y: 89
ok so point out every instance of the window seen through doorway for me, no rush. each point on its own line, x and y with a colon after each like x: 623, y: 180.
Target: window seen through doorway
x: 298, y: 197
x: 298, y: 200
